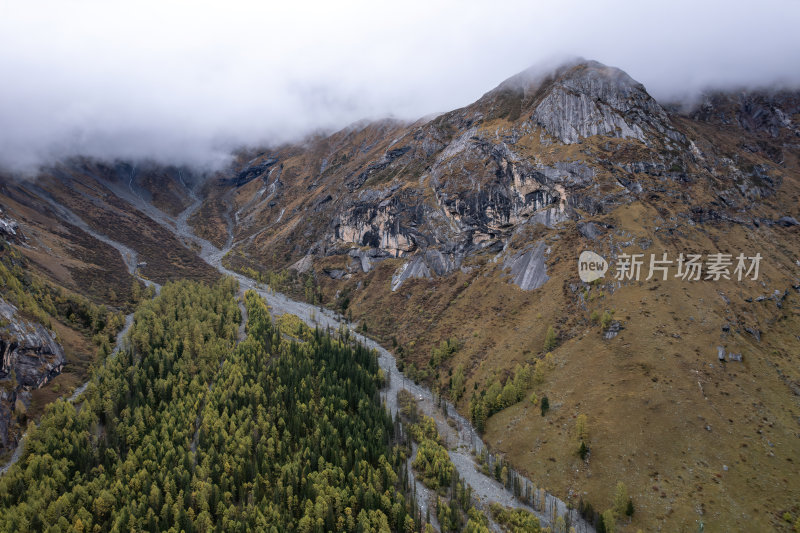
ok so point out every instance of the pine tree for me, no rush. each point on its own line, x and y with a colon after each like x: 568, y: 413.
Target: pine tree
x: 136, y: 291
x: 609, y: 520
x: 620, y: 499
x: 582, y: 428
x: 583, y: 451
x: 457, y: 383
x: 550, y: 339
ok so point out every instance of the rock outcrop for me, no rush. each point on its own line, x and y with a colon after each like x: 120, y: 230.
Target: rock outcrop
x: 612, y: 330
x: 31, y: 357
x: 9, y: 228
x: 571, y: 145
x: 424, y: 265
x: 593, y: 99
x: 528, y: 269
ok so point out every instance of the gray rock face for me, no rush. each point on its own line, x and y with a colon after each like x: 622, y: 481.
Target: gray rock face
x: 734, y: 357
x: 386, y: 225
x: 303, y: 264
x: 30, y: 358
x: 9, y: 228
x: 754, y: 111
x: 549, y: 217
x: 589, y: 230
x: 439, y: 263
x: 337, y: 273
x: 592, y: 99
x: 366, y: 259
x: 428, y: 264
x: 253, y: 170
x: 416, y: 268
x: 27, y: 348
x: 528, y: 269
x: 7, y: 401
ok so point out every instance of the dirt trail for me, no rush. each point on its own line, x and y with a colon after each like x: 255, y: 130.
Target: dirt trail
x: 462, y: 439
x: 129, y: 257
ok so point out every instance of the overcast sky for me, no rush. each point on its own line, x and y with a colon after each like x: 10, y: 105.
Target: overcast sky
x: 185, y: 82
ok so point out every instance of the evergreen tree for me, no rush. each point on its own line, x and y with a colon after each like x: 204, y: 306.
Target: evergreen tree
x: 550, y: 339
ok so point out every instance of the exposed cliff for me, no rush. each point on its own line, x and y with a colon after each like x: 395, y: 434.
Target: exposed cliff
x: 31, y: 357
x: 9, y: 228
x: 467, y: 226
x: 537, y: 150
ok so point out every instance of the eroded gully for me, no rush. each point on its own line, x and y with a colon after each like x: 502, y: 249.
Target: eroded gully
x: 462, y: 441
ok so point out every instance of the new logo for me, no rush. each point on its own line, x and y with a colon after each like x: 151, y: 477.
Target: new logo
x: 591, y: 266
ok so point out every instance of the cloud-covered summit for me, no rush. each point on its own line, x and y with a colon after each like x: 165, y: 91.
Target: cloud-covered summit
x: 187, y: 82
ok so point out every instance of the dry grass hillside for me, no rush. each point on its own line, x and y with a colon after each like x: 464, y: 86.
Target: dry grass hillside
x: 455, y: 199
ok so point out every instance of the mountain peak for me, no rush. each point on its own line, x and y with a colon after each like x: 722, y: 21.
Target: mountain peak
x: 537, y: 76
x: 593, y: 99
x: 584, y: 98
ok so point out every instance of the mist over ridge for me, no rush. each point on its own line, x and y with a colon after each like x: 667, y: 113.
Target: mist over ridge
x: 187, y: 83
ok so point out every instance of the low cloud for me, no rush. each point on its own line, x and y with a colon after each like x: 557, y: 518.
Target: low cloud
x: 187, y: 82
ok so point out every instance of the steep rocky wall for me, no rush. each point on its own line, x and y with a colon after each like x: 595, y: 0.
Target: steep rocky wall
x: 31, y: 357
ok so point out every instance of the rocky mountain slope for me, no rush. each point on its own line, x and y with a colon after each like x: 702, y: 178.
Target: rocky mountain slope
x: 31, y: 357
x: 467, y: 227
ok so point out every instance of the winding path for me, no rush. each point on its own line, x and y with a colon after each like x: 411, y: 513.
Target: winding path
x: 461, y: 438
x: 129, y: 257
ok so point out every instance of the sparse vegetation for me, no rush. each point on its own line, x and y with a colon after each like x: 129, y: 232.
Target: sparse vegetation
x: 608, y: 522
x: 433, y: 464
x: 607, y: 318
x: 457, y: 387
x: 620, y: 499
x: 498, y: 396
x: 583, y: 451
x: 518, y: 520
x: 550, y: 339
x: 582, y: 428
x: 443, y: 351
x: 291, y: 325
x: 582, y: 432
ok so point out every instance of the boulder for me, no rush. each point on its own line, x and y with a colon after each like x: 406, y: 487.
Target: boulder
x: 303, y: 264
x: 612, y: 330
x: 755, y: 332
